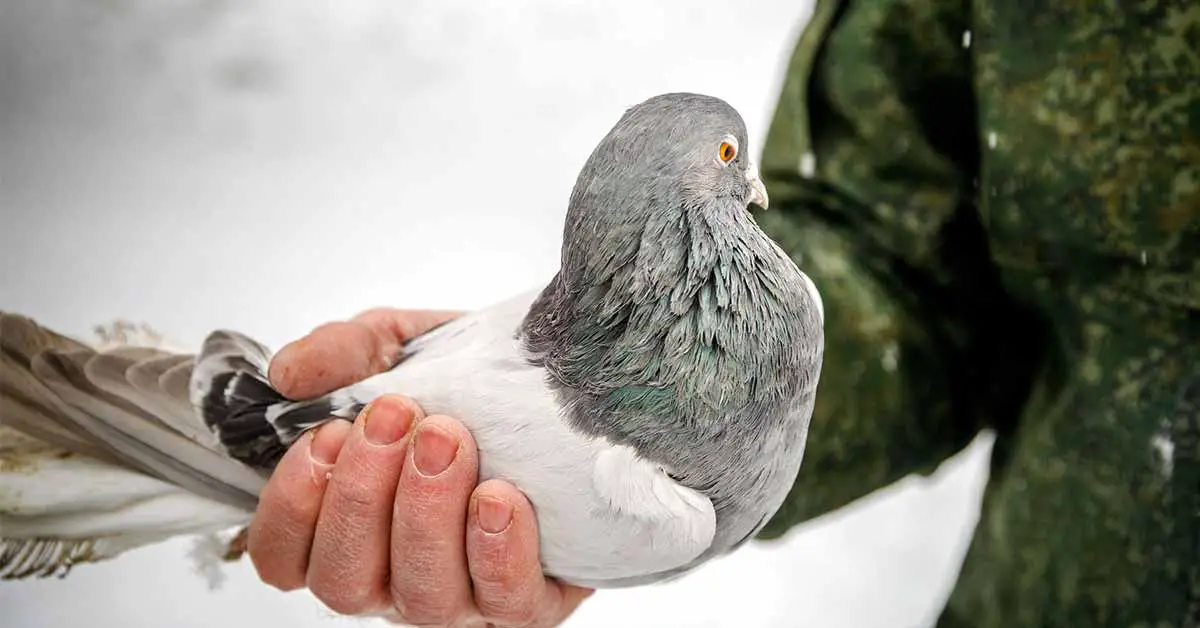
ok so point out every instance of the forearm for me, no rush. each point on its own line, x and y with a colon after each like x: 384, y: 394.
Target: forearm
x: 871, y: 160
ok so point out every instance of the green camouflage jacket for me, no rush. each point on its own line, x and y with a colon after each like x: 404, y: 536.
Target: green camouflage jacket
x: 1000, y: 203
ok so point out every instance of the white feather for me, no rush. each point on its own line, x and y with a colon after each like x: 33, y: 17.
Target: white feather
x: 598, y: 505
x: 100, y: 510
x: 815, y: 294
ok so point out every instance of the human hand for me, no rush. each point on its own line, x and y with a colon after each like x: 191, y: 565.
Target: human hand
x: 383, y: 516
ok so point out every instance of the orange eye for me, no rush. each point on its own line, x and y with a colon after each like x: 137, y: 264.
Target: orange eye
x: 727, y: 152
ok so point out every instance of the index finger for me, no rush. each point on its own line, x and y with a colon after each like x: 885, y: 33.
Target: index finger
x: 336, y: 355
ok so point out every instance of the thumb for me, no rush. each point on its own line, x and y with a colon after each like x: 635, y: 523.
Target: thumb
x: 336, y: 355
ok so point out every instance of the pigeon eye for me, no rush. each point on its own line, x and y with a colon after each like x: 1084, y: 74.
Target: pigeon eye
x: 727, y: 152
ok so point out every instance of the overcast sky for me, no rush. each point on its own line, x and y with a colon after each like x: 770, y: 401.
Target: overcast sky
x: 268, y: 165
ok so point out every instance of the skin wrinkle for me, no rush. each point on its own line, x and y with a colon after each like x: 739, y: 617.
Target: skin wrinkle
x: 352, y: 511
x: 420, y: 550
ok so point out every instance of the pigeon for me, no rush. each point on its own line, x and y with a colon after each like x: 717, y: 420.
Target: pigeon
x: 652, y: 399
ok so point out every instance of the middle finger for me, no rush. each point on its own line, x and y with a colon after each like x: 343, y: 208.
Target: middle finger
x: 348, y: 568
x: 430, y: 583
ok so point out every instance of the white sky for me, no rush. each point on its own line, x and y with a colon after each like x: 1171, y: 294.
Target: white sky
x: 268, y: 165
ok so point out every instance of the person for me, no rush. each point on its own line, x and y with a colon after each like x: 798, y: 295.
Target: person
x: 1000, y: 204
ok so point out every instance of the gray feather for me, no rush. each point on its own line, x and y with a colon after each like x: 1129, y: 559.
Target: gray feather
x: 675, y: 325
x: 28, y: 404
x: 139, y: 438
x: 165, y: 380
x: 131, y: 407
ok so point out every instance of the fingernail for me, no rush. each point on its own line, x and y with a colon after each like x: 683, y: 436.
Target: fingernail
x: 493, y: 514
x: 433, y: 450
x: 327, y: 442
x: 385, y: 423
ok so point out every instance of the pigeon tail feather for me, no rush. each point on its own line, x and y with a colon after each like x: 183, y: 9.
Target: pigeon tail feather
x: 108, y: 448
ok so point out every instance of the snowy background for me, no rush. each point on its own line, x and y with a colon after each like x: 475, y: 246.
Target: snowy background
x: 269, y: 165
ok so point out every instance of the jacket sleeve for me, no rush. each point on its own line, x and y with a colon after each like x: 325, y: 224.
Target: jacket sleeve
x: 872, y: 159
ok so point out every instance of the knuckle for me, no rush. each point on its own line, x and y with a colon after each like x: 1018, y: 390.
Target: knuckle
x: 438, y: 502
x: 325, y: 328
x: 373, y: 313
x: 273, y: 576
x: 355, y: 495
x: 501, y: 596
x: 342, y: 600
x: 493, y: 564
x: 284, y: 503
x: 512, y: 613
x: 428, y: 502
x: 422, y: 609
x: 269, y: 565
x: 388, y: 322
x: 285, y: 584
x: 273, y: 573
x: 489, y: 576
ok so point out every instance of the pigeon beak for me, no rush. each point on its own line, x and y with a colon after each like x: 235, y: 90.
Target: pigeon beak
x: 758, y: 191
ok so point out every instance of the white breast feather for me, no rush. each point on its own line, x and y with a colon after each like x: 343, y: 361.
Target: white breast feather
x: 604, y: 513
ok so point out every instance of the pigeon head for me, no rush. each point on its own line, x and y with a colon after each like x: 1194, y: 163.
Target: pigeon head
x: 672, y: 158
x: 689, y: 147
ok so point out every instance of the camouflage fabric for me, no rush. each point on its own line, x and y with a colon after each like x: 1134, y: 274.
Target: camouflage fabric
x: 1000, y: 203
